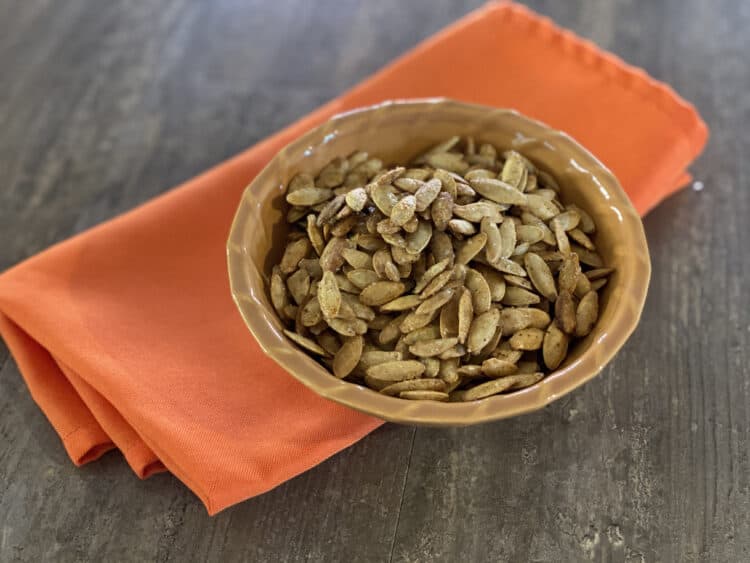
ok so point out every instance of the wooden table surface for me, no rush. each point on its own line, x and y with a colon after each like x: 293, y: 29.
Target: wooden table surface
x: 103, y: 105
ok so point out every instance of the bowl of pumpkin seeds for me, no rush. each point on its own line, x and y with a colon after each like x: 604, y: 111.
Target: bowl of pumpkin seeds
x: 437, y: 262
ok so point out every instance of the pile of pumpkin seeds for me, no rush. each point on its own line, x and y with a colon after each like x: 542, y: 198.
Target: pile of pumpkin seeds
x: 457, y: 277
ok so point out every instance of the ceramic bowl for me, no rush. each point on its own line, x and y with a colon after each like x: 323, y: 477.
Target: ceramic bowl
x: 396, y: 132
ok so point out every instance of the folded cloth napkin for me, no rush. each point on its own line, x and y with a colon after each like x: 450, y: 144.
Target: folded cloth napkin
x: 127, y: 335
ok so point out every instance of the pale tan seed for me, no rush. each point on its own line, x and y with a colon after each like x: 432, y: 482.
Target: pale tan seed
x: 307, y: 197
x: 498, y: 191
x: 381, y: 292
x: 530, y: 234
x: 414, y: 385
x: 586, y: 224
x: 429, y: 332
x: 482, y: 330
x: 418, y: 173
x: 541, y: 207
x: 479, y: 210
x: 581, y: 238
x: 442, y: 247
x: 343, y: 227
x: 357, y: 259
x: 414, y: 321
x: 329, y: 295
x: 332, y: 258
x: 299, y: 285
x: 494, y: 246
x: 449, y: 319
x: 305, y: 343
x: 449, y: 371
x: 514, y: 319
x: 389, y: 176
x: 519, y: 297
x: 567, y: 277
x: 587, y: 256
x: 329, y: 342
x: 403, y: 303
x: 348, y: 356
x: 371, y: 358
x: 312, y: 265
x: 384, y: 198
x: 436, y: 284
x: 344, y: 285
x: 517, y: 281
x: 513, y: 170
x: 431, y: 367
x: 396, y: 371
x: 409, y: 184
x: 470, y: 371
x: 508, y: 235
x: 295, y: 251
x: 527, y: 339
x: 394, y: 273
x: 461, y: 227
x: 566, y: 220
x: 403, y: 211
x: 387, y: 227
x: 505, y: 352
x: 599, y: 273
x: 330, y: 210
x: 480, y: 291
x: 315, y: 235
x: 555, y: 346
x: 417, y: 241
x: 540, y: 275
x: 457, y: 351
x: 371, y: 242
x: 464, y: 192
x: 279, y: 294
x: 392, y: 330
x: 596, y: 285
x: 348, y: 327
x: 587, y: 314
x: 360, y: 310
x: 491, y: 346
x: 495, y: 282
x: 508, y: 267
x: 583, y: 286
x: 379, y: 260
x: 565, y: 312
x: 469, y: 248
x: 427, y: 193
x: 356, y: 199
x: 301, y: 180
x: 435, y: 302
x: 380, y: 322
x: 465, y: 312
x: 362, y: 278
x: 452, y: 162
x: 431, y: 348
x: 441, y: 210
x: 561, y: 237
x: 496, y: 367
x: 423, y: 395
x: 310, y: 313
x: 412, y: 224
x: 402, y: 256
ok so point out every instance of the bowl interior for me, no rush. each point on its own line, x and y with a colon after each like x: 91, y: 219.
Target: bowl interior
x: 396, y: 133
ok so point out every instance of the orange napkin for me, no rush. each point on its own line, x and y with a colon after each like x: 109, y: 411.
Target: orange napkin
x: 127, y: 335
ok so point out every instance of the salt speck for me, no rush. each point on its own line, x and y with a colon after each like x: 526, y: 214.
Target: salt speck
x: 697, y: 186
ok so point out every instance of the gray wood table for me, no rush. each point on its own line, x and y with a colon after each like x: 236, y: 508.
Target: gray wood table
x: 104, y: 105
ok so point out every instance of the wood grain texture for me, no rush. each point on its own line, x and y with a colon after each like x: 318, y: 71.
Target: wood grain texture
x: 105, y: 104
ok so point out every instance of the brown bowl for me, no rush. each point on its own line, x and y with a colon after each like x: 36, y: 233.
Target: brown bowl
x: 396, y: 132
